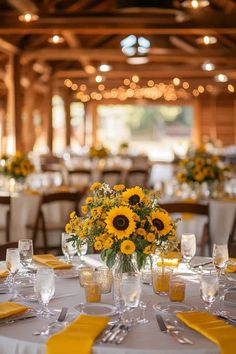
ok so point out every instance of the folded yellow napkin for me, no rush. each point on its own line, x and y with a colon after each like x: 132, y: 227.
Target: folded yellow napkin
x: 51, y: 261
x: 78, y: 337
x: 218, y: 331
x: 231, y: 268
x: 3, y: 273
x: 171, y: 259
x: 11, y: 308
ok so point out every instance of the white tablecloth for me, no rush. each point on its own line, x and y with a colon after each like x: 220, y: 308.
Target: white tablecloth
x: 143, y: 339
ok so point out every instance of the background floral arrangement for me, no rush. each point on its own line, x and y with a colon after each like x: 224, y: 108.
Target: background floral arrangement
x: 98, y: 151
x: 202, y: 168
x: 17, y: 166
x: 124, y: 221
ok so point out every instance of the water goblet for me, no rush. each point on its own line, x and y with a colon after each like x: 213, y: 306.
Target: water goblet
x: 82, y: 249
x: 44, y: 288
x: 188, y: 248
x: 131, y: 289
x: 69, y: 248
x: 209, y: 287
x: 25, y: 247
x: 13, y: 266
x: 220, y: 257
x: 142, y: 319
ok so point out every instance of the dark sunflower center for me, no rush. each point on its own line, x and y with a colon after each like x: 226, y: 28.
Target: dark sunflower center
x: 134, y: 199
x: 158, y: 224
x: 121, y: 222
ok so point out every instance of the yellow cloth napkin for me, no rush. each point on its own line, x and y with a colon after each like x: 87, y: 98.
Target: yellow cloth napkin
x: 218, y: 331
x: 11, y: 308
x: 51, y: 261
x: 231, y: 268
x: 171, y: 259
x: 3, y: 273
x: 78, y: 337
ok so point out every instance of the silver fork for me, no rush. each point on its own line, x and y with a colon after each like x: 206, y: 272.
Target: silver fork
x: 48, y: 329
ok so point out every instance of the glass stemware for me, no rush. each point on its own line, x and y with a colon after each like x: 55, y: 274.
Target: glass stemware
x: 69, y: 248
x: 209, y: 287
x: 25, y: 247
x: 44, y: 288
x: 82, y: 249
x: 142, y: 319
x: 188, y: 247
x: 131, y: 289
x: 220, y: 257
x: 13, y: 266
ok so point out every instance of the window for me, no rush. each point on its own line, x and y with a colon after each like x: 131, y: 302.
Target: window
x: 58, y: 124
x: 77, y: 125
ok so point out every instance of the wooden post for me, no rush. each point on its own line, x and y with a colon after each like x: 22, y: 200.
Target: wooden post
x: 196, y: 124
x: 14, y: 109
x: 67, y: 102
x: 94, y: 123
x: 48, y: 115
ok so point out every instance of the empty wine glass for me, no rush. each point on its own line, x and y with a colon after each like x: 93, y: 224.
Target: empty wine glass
x: 13, y: 266
x: 82, y: 249
x: 44, y: 288
x: 188, y: 247
x: 142, y: 319
x: 220, y: 257
x: 209, y: 287
x: 69, y: 248
x: 25, y: 248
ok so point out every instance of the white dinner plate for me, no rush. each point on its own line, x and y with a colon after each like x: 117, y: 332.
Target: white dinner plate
x: 67, y: 273
x: 173, y: 307
x: 230, y: 297
x: 97, y: 309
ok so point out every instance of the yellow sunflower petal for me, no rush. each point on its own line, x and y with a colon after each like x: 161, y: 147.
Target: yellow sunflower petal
x: 133, y: 195
x: 127, y: 247
x: 120, y: 222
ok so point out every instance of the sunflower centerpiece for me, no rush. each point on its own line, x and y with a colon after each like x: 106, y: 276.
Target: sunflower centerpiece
x: 123, y: 222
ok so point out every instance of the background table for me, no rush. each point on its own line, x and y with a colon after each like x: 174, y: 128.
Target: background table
x: 143, y: 339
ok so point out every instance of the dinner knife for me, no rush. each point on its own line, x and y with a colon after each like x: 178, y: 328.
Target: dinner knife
x: 161, y: 323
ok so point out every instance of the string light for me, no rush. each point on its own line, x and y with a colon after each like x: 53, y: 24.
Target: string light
x: 176, y: 81
x: 56, y: 39
x: 206, y: 40
x: 208, y: 66
x: 98, y: 78
x: 105, y: 68
x: 28, y: 17
x: 135, y: 78
x: 185, y: 85
x: 195, y: 4
x: 231, y: 88
x: 221, y: 78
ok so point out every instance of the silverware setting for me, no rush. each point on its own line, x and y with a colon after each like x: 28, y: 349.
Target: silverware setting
x: 53, y: 325
x: 115, y: 333
x: 175, y: 333
x: 16, y: 318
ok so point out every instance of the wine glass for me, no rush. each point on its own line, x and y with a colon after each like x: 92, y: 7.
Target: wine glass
x: 82, y: 249
x: 209, y: 287
x: 44, y: 288
x: 188, y: 247
x: 220, y: 257
x: 25, y: 247
x: 69, y: 248
x: 131, y: 289
x: 13, y: 266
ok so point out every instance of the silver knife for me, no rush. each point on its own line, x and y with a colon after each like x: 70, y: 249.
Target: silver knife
x: 161, y: 323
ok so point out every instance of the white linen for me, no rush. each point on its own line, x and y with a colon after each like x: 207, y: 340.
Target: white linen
x: 142, y: 339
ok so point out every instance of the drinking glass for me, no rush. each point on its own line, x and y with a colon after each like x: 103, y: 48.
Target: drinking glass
x: 188, y: 247
x: 82, y: 249
x: 104, y: 276
x: 209, y: 287
x: 13, y: 266
x: 131, y: 289
x: 25, y: 247
x: 220, y: 257
x: 86, y: 274
x: 161, y: 279
x: 92, y: 291
x: 176, y: 289
x: 44, y: 288
x: 69, y: 248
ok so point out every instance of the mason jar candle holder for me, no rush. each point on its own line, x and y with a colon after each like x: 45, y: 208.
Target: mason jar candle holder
x: 104, y: 276
x: 161, y: 279
x: 92, y: 291
x: 86, y: 274
x: 176, y: 289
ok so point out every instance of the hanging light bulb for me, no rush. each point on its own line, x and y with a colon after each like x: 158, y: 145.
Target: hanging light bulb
x: 56, y: 39
x: 195, y: 4
x: 28, y: 17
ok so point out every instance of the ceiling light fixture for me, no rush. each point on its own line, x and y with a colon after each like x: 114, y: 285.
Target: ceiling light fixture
x: 56, y: 39
x: 208, y: 66
x: 206, y: 40
x: 99, y: 78
x: 137, y: 60
x: 28, y: 17
x: 221, y: 78
x: 136, y: 49
x: 195, y: 4
x: 105, y: 67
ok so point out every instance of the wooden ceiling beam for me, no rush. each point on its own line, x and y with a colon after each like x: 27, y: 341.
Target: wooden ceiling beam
x: 173, y: 56
x: 8, y: 47
x: 161, y: 72
x: 108, y: 24
x: 184, y: 45
x: 23, y: 5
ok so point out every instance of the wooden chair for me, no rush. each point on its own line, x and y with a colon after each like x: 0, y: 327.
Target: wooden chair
x: 232, y: 239
x: 6, y: 201
x: 40, y: 221
x: 80, y: 176
x: 137, y: 177
x: 195, y: 209
x: 112, y: 176
x: 3, y: 249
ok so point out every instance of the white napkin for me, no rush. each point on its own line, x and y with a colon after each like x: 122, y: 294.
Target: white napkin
x: 93, y: 262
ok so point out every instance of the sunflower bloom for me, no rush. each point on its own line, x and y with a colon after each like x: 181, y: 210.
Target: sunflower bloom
x: 150, y: 237
x: 133, y: 196
x: 68, y: 228
x: 141, y: 232
x: 161, y: 222
x: 108, y: 243
x: 127, y: 247
x: 95, y: 185
x: 84, y: 209
x: 88, y: 200
x: 72, y: 215
x: 120, y: 222
x: 119, y: 187
x: 98, y: 245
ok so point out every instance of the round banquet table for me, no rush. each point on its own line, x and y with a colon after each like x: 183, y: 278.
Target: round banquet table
x: 17, y: 338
